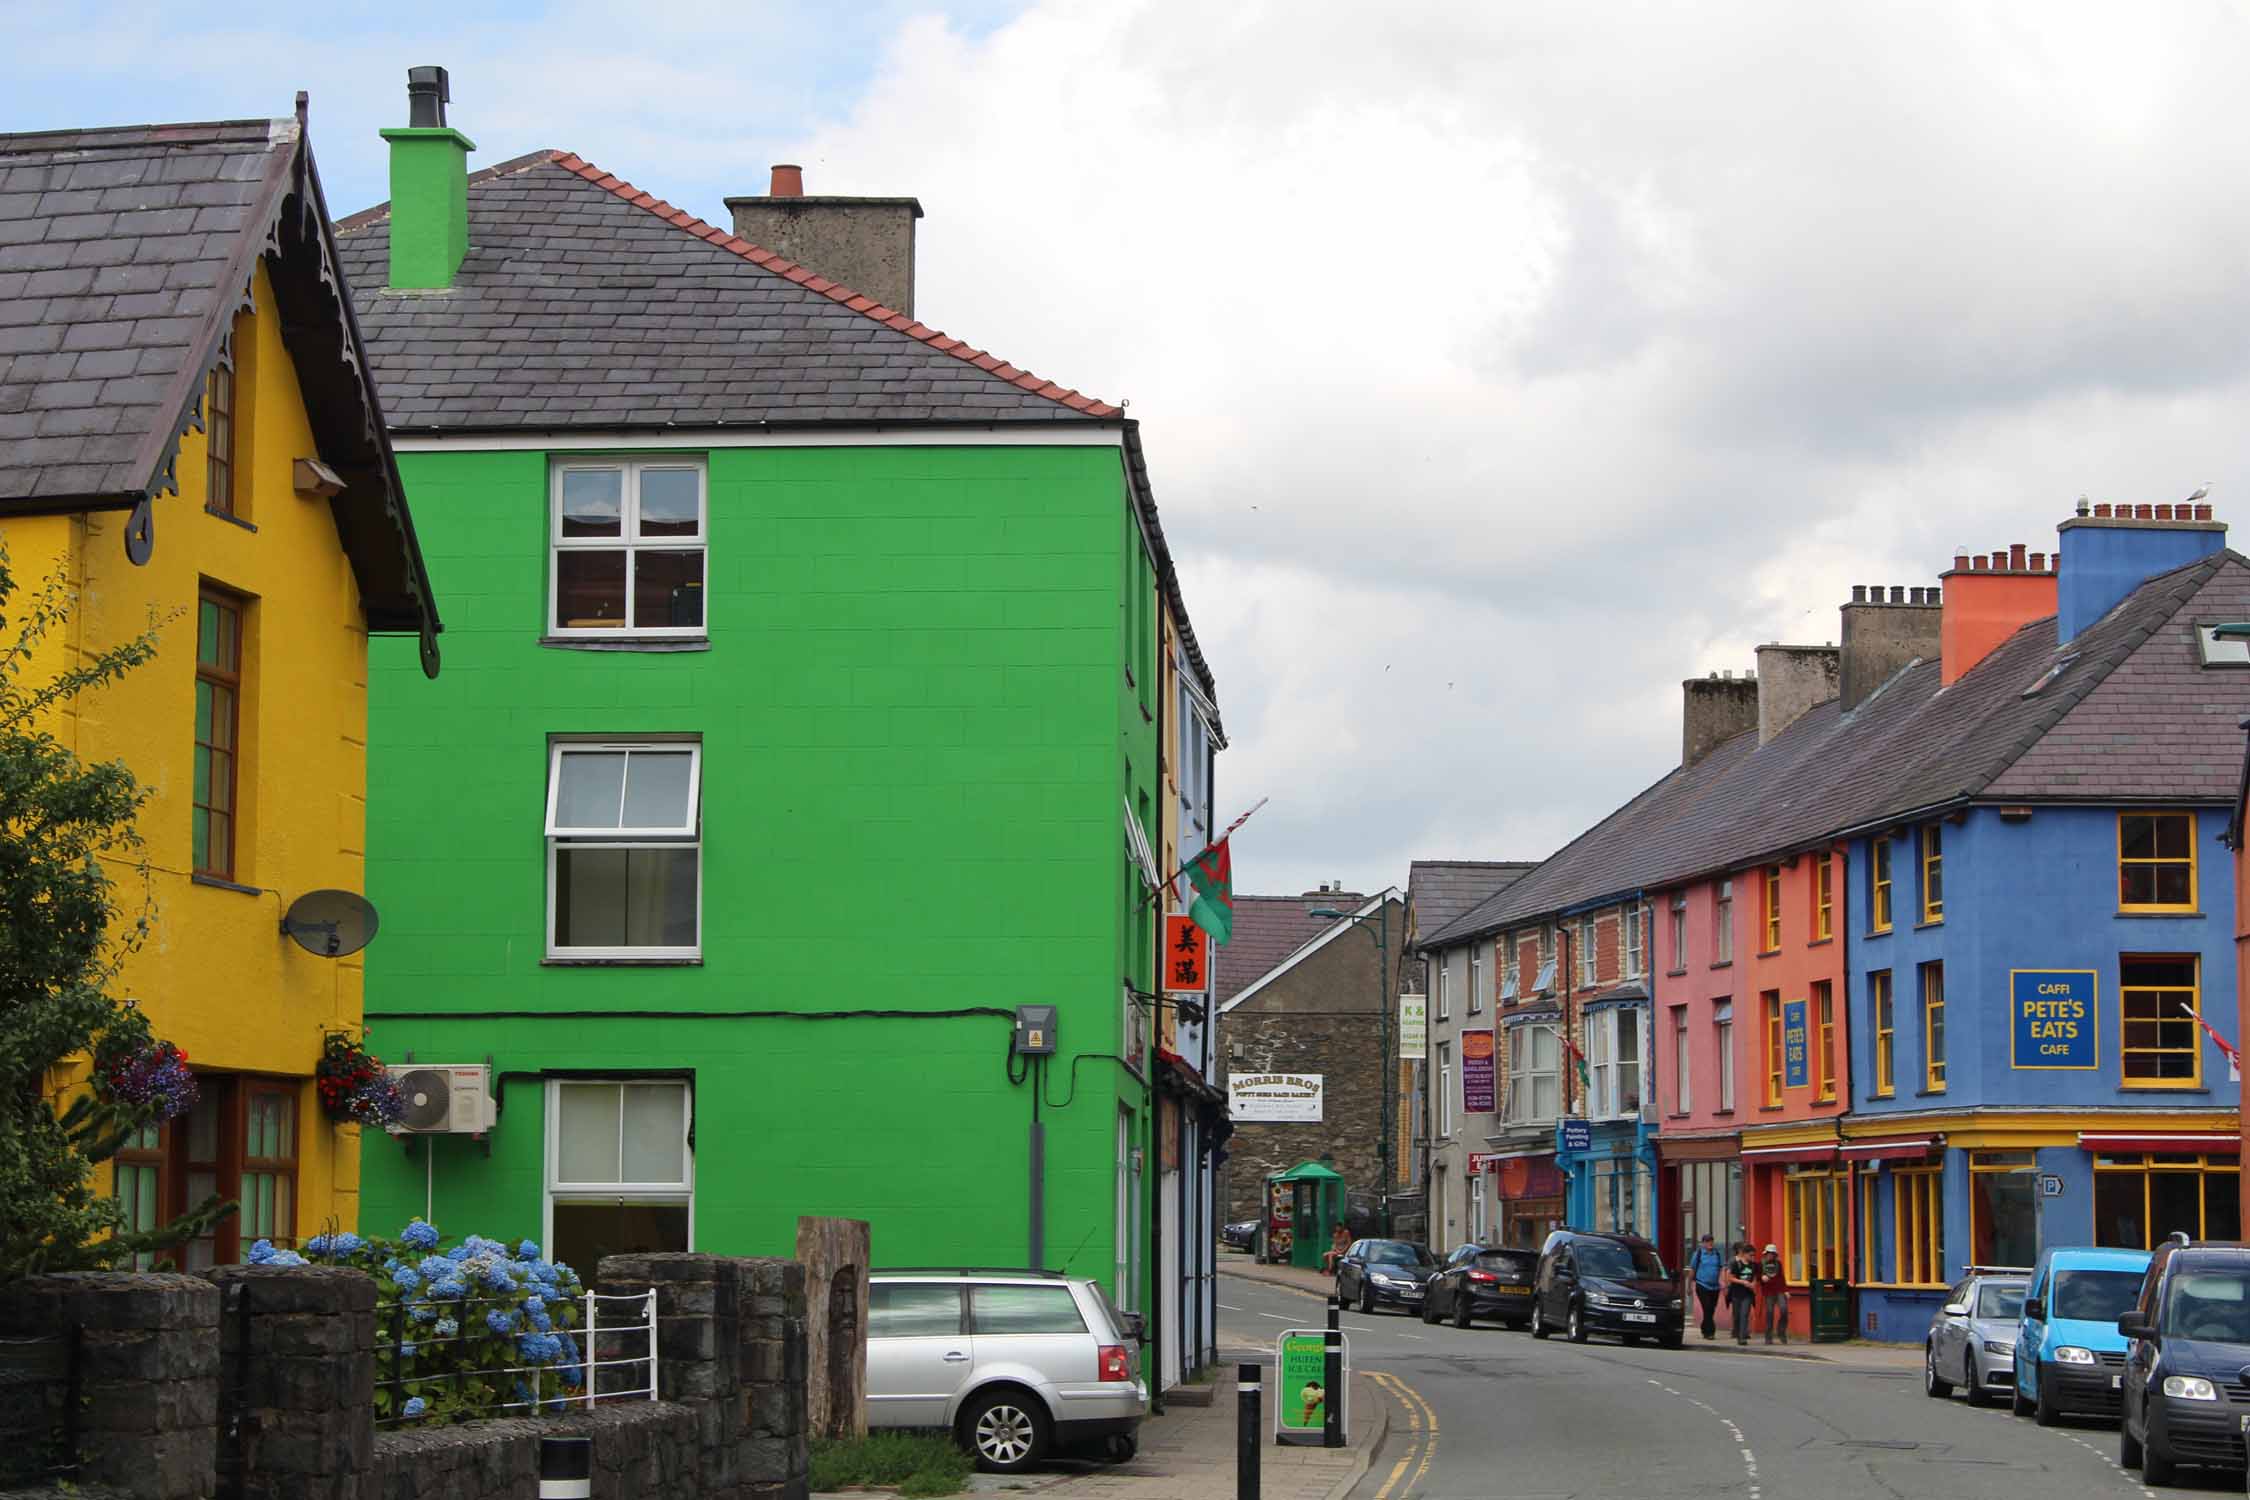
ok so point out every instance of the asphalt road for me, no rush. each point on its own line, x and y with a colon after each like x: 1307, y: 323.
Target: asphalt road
x: 1489, y: 1414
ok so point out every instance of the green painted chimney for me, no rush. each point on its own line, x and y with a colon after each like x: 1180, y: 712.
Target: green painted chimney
x: 429, y: 188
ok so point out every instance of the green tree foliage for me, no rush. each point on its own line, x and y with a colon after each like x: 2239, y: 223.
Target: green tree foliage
x: 63, y: 939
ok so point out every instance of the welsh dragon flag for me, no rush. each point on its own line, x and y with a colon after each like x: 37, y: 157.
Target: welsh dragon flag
x: 1212, y: 874
x: 1585, y: 1082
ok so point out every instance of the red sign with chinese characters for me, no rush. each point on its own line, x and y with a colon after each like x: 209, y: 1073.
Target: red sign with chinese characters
x: 1187, y: 957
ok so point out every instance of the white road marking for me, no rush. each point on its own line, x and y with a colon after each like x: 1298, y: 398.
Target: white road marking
x: 1418, y: 1338
x: 1230, y: 1307
x: 1277, y: 1317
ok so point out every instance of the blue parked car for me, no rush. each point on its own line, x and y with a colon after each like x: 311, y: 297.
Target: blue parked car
x: 2069, y: 1353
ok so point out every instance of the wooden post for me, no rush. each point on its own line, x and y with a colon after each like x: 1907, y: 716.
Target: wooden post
x: 835, y: 1255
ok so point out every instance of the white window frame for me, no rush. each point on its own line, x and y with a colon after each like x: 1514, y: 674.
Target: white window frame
x: 1630, y: 941
x: 1606, y: 1062
x: 661, y: 1193
x: 1445, y: 985
x: 1722, y: 1029
x: 1722, y: 923
x: 1679, y: 931
x: 1476, y: 980
x: 1445, y: 1091
x: 1683, y: 1071
x: 687, y: 835
x: 1589, y: 951
x: 1524, y: 1075
x: 1510, y: 968
x: 627, y: 541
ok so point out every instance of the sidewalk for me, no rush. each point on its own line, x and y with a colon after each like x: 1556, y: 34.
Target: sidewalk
x: 1858, y: 1353
x: 1189, y: 1454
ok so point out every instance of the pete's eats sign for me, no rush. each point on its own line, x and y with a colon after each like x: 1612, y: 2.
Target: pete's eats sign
x: 2054, y: 1019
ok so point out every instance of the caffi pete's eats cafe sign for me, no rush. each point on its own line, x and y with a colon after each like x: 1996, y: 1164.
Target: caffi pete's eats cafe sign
x: 1293, y: 1098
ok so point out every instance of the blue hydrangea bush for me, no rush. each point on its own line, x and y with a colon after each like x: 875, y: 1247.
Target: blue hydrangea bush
x: 478, y: 1330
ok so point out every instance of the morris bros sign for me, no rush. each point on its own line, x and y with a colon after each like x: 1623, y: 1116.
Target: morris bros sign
x: 1271, y: 1097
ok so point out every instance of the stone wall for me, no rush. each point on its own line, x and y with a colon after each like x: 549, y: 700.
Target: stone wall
x: 258, y: 1382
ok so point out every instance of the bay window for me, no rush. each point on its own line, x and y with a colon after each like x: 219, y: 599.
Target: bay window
x: 1613, y: 1048
x: 1534, y: 1074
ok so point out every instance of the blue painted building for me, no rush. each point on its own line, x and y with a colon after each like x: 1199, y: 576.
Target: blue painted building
x: 2039, y: 914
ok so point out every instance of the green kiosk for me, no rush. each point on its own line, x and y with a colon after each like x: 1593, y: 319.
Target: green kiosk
x: 1303, y: 1207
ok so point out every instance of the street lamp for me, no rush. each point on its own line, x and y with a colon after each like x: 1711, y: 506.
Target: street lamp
x: 1380, y: 931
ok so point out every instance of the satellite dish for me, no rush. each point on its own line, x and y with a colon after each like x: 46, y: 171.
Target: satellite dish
x: 331, y: 923
x: 428, y: 1093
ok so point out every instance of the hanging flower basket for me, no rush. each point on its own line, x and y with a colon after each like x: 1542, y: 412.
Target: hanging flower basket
x: 353, y: 1087
x: 145, y: 1075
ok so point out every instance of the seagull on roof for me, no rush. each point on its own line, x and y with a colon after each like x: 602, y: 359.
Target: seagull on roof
x: 2203, y: 492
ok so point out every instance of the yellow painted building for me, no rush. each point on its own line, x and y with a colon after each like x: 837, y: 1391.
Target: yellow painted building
x: 198, y: 448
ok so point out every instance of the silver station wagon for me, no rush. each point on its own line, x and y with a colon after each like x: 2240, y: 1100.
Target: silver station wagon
x: 1018, y: 1365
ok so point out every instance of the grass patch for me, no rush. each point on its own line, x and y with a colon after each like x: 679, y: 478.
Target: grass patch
x: 914, y: 1463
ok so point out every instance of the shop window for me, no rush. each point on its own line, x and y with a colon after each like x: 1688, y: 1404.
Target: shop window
x: 620, y: 1172
x: 2159, y: 999
x: 1824, y: 898
x: 1623, y: 1195
x: 2156, y: 861
x: 2139, y: 1199
x: 1870, y: 1225
x: 1814, y: 1226
x: 1722, y: 924
x: 1918, y: 1210
x: 1879, y: 885
x: 1933, y: 873
x: 1933, y: 1027
x: 1770, y: 912
x: 2003, y: 1208
x: 1886, y: 1038
x: 1824, y: 1057
x: 1775, y: 1047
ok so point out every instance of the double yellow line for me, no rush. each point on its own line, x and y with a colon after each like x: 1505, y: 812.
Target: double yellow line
x: 1422, y: 1436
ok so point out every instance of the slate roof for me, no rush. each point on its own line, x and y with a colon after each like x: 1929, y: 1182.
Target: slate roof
x: 2122, y: 713
x: 1439, y: 890
x: 124, y: 254
x: 585, y: 302
x: 1267, y: 929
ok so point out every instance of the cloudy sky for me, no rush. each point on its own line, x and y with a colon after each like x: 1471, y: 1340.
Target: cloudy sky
x: 1500, y: 365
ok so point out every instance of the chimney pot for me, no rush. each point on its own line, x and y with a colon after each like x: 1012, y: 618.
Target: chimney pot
x: 2144, y: 512
x: 1978, y: 563
x: 428, y: 91
x: 2082, y: 505
x: 788, y: 181
x: 2015, y: 556
x: 2203, y: 512
x: 2164, y: 512
x: 1960, y: 560
x: 1859, y: 593
x: 1898, y: 593
x: 2101, y: 512
x: 2038, y: 562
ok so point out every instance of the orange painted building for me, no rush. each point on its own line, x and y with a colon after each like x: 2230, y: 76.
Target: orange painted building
x: 1749, y: 984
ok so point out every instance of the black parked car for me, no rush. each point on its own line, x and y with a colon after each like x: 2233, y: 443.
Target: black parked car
x: 1476, y: 1282
x: 1241, y: 1235
x: 1383, y: 1273
x: 2184, y: 1379
x: 1592, y: 1282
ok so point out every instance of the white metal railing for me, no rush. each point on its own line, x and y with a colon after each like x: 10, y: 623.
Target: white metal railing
x: 644, y: 1325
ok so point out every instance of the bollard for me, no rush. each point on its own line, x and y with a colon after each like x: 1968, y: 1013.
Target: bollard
x: 1332, y: 1373
x: 1249, y: 1429
x: 566, y: 1468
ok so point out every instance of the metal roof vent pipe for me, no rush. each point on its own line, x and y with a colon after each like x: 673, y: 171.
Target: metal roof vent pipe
x: 428, y: 91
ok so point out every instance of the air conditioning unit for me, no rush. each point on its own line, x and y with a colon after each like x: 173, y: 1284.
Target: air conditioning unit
x: 444, y: 1100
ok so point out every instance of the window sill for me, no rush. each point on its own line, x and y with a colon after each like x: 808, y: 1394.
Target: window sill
x: 231, y: 520
x: 1928, y: 1093
x: 1675, y: 973
x: 553, y: 961
x: 1929, y: 922
x: 1818, y: 942
x: 218, y: 884
x: 2164, y: 914
x: 1771, y: 1109
x: 1681, y: 1115
x: 2163, y: 1088
x: 1877, y: 932
x: 1769, y: 953
x: 651, y: 643
x: 1722, y: 963
x: 1726, y: 1114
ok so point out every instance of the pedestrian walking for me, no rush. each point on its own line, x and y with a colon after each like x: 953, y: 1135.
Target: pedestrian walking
x: 1704, y: 1267
x: 1741, y: 1281
x: 1773, y: 1293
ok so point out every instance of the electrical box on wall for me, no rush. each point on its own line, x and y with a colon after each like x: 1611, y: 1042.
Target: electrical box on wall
x: 1035, y: 1031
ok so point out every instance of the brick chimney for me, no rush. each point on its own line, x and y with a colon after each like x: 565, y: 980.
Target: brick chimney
x: 1792, y: 681
x: 1715, y: 709
x: 2107, y: 551
x: 1989, y: 597
x: 865, y: 243
x: 1885, y: 628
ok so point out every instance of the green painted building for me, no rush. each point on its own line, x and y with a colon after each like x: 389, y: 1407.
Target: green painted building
x: 800, y: 721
